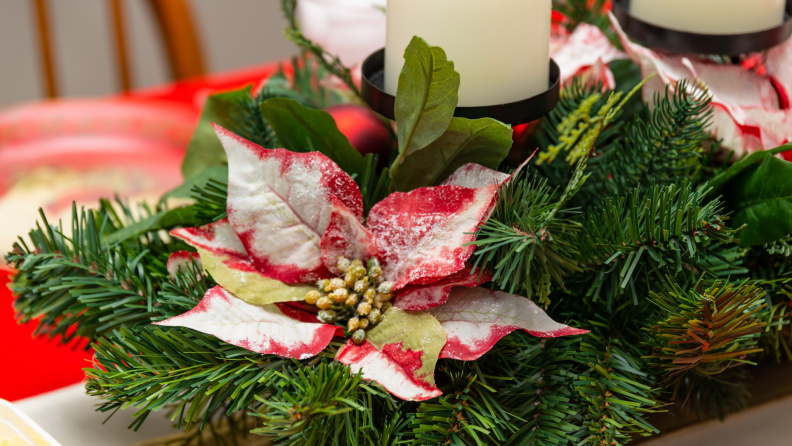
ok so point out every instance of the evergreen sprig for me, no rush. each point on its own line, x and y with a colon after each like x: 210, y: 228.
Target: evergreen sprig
x: 73, y: 287
x: 666, y: 143
x: 523, y: 243
x: 667, y: 226
x: 331, y: 63
x: 707, y: 332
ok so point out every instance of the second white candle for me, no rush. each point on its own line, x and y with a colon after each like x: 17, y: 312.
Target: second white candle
x: 501, y: 48
x: 711, y: 16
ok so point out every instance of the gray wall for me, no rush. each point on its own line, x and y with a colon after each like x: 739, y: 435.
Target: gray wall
x: 234, y: 34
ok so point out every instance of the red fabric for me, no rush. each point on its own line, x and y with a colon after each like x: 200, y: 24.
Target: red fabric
x: 32, y: 366
x: 195, y: 91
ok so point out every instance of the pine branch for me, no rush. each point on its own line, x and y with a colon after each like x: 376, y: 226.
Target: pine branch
x: 523, y: 242
x: 331, y: 63
x: 76, y: 288
x: 665, y: 227
x: 705, y: 333
x: 467, y: 414
x: 666, y: 144
x: 210, y: 201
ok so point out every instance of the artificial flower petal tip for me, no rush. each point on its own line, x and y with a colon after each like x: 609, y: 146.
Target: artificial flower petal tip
x: 183, y: 261
x: 475, y: 319
x: 261, y: 329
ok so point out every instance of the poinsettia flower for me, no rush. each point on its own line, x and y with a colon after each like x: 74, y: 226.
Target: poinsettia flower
x: 292, y: 216
x: 747, y: 110
x: 585, y: 53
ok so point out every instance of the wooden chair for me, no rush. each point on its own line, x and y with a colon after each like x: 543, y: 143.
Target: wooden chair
x: 175, y: 24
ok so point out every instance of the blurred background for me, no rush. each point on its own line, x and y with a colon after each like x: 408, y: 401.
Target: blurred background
x: 233, y: 34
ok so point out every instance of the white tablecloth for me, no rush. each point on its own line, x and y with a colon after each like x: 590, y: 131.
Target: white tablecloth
x: 68, y: 415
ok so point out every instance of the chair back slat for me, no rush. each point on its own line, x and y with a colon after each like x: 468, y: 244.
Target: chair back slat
x: 180, y: 37
x: 122, y: 56
x: 178, y: 34
x: 45, y: 47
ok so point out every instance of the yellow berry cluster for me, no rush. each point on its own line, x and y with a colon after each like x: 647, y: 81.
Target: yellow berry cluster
x: 360, y: 297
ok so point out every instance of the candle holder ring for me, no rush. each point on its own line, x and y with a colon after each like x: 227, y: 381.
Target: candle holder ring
x: 687, y: 42
x: 514, y: 113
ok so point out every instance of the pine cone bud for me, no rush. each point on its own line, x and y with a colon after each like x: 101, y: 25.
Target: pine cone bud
x: 364, y: 323
x: 385, y: 287
x: 312, y: 297
x: 359, y: 337
x: 324, y: 303
x: 352, y: 300
x: 353, y: 324
x: 335, y: 284
x: 327, y: 316
x: 340, y: 295
x: 343, y: 264
x: 364, y: 308
x: 361, y: 285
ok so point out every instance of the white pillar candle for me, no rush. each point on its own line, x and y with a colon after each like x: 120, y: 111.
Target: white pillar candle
x: 501, y: 48
x: 711, y: 16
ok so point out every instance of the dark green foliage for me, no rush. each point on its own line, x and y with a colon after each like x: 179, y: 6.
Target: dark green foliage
x: 210, y: 202
x: 668, y: 227
x: 523, y: 243
x: 74, y: 288
x: 304, y: 87
x: 705, y: 333
x: 666, y: 143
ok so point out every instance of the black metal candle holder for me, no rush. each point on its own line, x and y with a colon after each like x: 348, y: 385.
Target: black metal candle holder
x: 514, y: 113
x: 686, y: 42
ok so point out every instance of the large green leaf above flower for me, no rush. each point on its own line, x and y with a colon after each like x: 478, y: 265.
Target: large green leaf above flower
x: 432, y: 143
x: 294, y: 217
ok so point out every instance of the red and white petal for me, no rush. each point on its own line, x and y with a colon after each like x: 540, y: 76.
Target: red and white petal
x: 778, y: 64
x: 424, y: 233
x: 474, y: 175
x: 218, y: 238
x: 346, y: 236
x: 264, y: 330
x: 424, y: 297
x: 182, y: 260
x: 401, y: 353
x: 737, y: 95
x: 475, y: 319
x: 587, y: 47
x: 390, y: 368
x: 280, y: 203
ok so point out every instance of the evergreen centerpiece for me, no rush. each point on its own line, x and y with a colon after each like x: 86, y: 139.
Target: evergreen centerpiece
x: 322, y: 296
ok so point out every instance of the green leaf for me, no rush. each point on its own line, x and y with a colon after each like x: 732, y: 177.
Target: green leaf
x: 217, y: 173
x: 426, y: 98
x: 183, y: 216
x: 304, y: 130
x: 205, y: 149
x: 762, y: 199
x: 737, y: 168
x: 483, y: 141
x: 134, y: 230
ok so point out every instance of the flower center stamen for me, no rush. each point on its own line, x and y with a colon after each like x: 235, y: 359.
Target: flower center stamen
x: 358, y: 299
